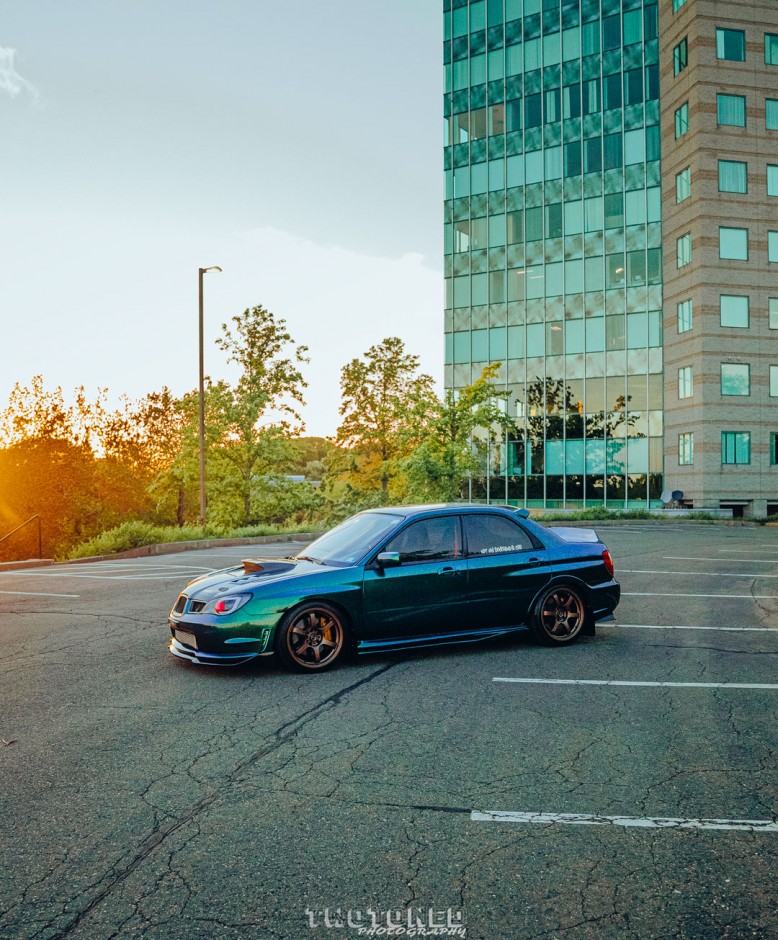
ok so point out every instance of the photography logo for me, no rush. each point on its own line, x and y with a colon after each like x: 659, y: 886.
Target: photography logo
x: 396, y: 922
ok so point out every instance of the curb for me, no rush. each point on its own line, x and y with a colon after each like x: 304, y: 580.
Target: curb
x: 164, y: 548
x: 32, y: 563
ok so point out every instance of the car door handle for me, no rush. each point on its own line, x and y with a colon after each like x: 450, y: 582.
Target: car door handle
x: 449, y: 570
x: 533, y: 562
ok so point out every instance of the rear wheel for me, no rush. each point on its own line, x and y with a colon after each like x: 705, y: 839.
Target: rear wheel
x: 311, y: 638
x: 559, y: 616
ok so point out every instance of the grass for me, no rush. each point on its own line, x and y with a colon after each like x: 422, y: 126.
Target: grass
x: 598, y: 513
x: 137, y: 534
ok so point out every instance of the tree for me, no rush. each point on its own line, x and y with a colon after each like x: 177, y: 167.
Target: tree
x: 456, y: 429
x: 258, y: 415
x: 52, y: 466
x: 385, y: 407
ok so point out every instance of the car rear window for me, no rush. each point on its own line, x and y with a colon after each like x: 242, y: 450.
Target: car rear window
x: 494, y: 535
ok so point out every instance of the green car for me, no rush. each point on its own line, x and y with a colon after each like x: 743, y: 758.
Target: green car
x: 397, y: 578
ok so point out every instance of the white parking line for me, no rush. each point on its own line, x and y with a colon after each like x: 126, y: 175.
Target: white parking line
x: 37, y: 594
x: 639, y: 822
x: 749, y: 551
x: 176, y: 575
x: 661, y: 685
x: 131, y: 566
x: 696, y: 574
x: 654, y: 626
x: 753, y: 561
x: 751, y: 597
x: 119, y: 577
x: 94, y: 572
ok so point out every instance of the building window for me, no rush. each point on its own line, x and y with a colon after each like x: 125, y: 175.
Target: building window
x: 735, y: 379
x: 735, y: 447
x: 774, y: 449
x: 677, y: 4
x: 734, y: 311
x: 771, y: 114
x: 733, y: 243
x: 772, y: 246
x: 682, y: 120
x: 685, y: 449
x: 685, y: 315
x: 731, y: 44
x: 773, y: 313
x: 731, y: 109
x: 680, y: 56
x: 772, y: 179
x: 683, y: 248
x: 771, y: 48
x: 773, y: 381
x: 683, y: 184
x: 733, y: 176
x: 685, y: 382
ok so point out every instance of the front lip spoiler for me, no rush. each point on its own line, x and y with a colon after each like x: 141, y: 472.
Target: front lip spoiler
x: 209, y: 659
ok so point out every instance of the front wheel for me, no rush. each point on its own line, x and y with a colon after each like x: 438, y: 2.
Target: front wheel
x: 311, y: 638
x: 559, y: 615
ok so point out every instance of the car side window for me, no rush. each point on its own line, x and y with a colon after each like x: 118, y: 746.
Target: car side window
x: 428, y: 540
x: 494, y: 535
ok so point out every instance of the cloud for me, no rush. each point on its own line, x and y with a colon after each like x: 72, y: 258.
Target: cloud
x: 11, y: 81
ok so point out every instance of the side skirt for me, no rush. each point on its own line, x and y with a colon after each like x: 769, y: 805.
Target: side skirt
x: 440, y: 639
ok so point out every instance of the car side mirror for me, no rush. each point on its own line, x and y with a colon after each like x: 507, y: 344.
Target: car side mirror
x: 388, y: 560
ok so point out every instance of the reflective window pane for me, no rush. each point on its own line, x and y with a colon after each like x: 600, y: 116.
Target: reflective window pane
x: 734, y: 311
x: 735, y: 378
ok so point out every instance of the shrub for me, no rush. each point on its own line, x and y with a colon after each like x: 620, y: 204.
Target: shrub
x: 137, y: 534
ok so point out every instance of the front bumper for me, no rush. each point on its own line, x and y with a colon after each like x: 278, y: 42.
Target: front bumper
x: 208, y: 642
x: 202, y: 658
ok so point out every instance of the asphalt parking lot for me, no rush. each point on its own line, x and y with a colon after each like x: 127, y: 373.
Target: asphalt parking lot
x: 624, y: 787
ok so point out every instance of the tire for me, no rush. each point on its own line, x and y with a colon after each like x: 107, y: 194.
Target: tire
x: 317, y: 622
x: 560, y: 615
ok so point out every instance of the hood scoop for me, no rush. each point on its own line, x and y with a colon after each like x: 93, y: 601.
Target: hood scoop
x: 265, y: 568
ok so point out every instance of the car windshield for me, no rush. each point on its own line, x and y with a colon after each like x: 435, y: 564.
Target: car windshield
x: 352, y: 539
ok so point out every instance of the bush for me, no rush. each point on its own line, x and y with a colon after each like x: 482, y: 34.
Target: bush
x: 138, y: 534
x: 602, y: 514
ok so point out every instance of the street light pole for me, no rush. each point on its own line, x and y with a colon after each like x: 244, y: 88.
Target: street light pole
x: 200, y: 272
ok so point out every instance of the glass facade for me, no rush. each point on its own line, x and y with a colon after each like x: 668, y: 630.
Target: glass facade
x: 553, y: 243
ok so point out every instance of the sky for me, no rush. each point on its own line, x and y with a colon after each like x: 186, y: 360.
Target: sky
x: 295, y: 145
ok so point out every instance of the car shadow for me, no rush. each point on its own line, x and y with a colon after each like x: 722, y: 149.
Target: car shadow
x: 359, y: 664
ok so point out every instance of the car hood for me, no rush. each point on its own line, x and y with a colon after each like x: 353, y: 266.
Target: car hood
x: 250, y: 575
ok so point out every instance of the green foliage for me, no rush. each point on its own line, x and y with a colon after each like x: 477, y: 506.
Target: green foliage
x: 601, y: 513
x: 308, y: 456
x: 385, y: 406
x: 456, y: 435
x: 131, y: 535
x: 257, y: 416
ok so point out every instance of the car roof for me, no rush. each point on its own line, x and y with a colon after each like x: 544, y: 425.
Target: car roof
x: 437, y: 509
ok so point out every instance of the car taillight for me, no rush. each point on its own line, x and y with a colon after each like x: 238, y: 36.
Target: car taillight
x: 608, y: 562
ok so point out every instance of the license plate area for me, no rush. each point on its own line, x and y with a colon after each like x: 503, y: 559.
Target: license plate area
x: 188, y: 639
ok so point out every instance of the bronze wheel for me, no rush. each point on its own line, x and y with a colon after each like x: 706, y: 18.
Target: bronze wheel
x: 311, y: 638
x: 560, y: 615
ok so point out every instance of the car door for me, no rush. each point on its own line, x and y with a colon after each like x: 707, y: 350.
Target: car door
x: 427, y: 593
x: 506, y: 569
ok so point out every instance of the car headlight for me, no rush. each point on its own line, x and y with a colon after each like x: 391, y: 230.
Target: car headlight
x: 227, y: 605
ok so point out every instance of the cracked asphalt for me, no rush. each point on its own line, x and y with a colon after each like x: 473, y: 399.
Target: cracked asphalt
x: 141, y: 796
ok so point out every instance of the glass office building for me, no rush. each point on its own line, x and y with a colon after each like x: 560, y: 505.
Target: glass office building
x: 616, y: 251
x: 553, y: 242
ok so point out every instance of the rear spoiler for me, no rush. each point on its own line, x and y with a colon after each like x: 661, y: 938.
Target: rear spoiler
x: 570, y: 534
